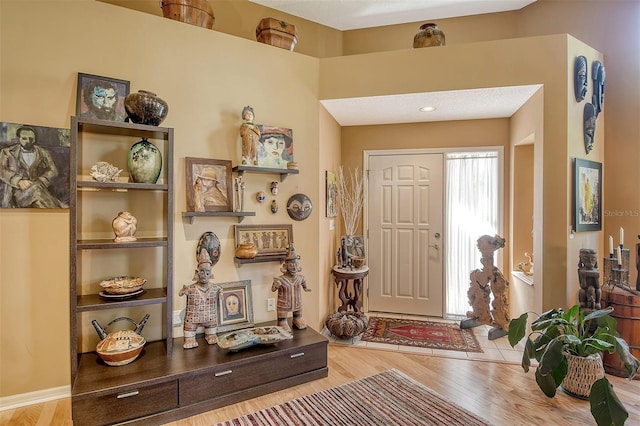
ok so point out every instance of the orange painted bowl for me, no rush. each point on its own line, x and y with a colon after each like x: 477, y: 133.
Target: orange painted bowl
x: 121, y: 347
x: 122, y: 285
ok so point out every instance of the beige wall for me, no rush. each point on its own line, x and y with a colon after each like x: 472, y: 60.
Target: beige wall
x: 206, y: 82
x: 526, y: 177
x: 240, y: 18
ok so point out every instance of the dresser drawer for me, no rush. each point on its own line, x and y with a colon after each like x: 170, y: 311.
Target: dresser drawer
x: 232, y: 377
x: 122, y: 406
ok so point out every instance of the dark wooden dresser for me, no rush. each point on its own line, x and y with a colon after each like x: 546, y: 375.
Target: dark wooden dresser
x: 159, y: 388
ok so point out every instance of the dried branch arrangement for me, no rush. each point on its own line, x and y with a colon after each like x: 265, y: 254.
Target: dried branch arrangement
x: 350, y: 198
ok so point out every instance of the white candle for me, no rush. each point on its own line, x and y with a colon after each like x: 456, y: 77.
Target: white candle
x: 621, y: 236
x: 619, y: 256
x: 610, y: 246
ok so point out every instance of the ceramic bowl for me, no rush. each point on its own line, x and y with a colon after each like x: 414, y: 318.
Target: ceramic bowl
x: 122, y: 285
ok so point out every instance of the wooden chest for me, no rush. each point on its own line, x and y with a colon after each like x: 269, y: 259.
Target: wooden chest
x: 277, y: 33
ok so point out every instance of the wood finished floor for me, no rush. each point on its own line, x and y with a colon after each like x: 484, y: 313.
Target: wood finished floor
x: 501, y: 393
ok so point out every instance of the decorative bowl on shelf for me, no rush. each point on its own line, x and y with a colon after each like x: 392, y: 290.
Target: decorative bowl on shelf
x: 123, y: 285
x: 123, y: 346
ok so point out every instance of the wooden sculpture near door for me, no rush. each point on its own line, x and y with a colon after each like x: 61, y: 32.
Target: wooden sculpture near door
x: 484, y: 282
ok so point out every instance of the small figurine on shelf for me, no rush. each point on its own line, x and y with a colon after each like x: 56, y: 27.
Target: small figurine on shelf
x: 250, y: 134
x: 289, y: 286
x: 124, y: 226
x: 202, y: 302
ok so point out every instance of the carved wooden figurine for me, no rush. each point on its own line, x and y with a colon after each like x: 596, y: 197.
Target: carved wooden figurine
x: 250, y: 134
x: 202, y: 302
x: 590, y: 292
x: 289, y: 286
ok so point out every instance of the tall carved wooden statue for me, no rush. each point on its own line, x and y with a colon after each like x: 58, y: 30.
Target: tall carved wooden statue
x: 485, y: 282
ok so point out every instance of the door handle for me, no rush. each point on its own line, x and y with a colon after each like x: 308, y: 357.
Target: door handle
x: 435, y: 246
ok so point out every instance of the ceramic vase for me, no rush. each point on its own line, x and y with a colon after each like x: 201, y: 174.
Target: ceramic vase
x: 429, y: 35
x: 246, y: 251
x: 145, y: 108
x: 145, y: 162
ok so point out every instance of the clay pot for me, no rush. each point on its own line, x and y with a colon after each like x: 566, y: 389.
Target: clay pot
x: 145, y: 108
x: 144, y: 162
x: 429, y: 35
x: 246, y: 251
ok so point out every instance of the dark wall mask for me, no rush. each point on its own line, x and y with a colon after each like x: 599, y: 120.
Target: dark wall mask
x: 598, y: 75
x: 589, y: 127
x: 580, y: 79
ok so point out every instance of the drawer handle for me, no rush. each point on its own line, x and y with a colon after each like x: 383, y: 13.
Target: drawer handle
x: 299, y: 354
x: 127, y: 394
x: 223, y: 373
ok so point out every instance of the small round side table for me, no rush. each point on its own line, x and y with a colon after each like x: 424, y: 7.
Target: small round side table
x: 342, y: 277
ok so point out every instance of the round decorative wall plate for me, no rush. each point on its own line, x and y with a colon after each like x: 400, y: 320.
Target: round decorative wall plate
x: 299, y: 207
x: 210, y: 242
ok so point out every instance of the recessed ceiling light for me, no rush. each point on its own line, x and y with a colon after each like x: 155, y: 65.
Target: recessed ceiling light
x: 428, y: 108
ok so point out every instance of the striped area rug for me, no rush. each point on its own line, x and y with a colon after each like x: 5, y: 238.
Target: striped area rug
x: 388, y: 398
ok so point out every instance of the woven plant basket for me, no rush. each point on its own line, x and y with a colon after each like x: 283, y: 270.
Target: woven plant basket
x: 346, y: 324
x: 582, y: 373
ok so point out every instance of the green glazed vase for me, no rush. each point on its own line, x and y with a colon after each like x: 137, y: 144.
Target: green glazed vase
x: 144, y: 162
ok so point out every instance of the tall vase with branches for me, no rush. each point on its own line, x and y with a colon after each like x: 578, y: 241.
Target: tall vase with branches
x: 350, y: 202
x: 350, y: 198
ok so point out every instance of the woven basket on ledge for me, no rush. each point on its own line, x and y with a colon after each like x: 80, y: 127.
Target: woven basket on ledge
x: 582, y: 373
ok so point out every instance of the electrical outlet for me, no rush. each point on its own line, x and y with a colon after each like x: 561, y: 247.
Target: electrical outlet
x: 177, y: 320
x: 271, y: 304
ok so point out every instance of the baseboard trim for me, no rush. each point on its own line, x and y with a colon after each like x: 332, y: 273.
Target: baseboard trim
x: 37, y: 397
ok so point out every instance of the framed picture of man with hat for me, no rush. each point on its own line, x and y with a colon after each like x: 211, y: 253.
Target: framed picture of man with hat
x: 209, y: 187
x: 275, y: 147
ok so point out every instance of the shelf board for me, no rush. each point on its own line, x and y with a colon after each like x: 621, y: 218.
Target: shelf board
x: 104, y: 243
x: 240, y: 215
x: 250, y: 169
x: 93, y: 302
x: 259, y: 259
x: 120, y: 127
x: 119, y: 186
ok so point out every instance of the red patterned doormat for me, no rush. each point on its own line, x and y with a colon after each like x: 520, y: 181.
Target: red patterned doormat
x: 422, y: 334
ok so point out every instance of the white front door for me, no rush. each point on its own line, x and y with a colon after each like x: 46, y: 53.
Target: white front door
x: 405, y: 211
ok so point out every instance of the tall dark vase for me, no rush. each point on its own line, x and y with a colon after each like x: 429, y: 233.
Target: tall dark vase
x: 145, y: 162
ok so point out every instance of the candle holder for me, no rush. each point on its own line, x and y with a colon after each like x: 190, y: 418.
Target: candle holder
x: 620, y: 271
x: 608, y: 264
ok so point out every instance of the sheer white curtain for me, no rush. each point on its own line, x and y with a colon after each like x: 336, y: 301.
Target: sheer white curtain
x: 472, y: 182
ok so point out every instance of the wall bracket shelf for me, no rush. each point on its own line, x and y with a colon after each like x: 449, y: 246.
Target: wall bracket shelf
x: 240, y: 215
x: 250, y: 169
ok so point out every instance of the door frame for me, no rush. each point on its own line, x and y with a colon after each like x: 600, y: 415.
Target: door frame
x: 368, y: 153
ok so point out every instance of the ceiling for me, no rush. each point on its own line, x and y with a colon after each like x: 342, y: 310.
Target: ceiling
x: 355, y: 14
x: 498, y: 102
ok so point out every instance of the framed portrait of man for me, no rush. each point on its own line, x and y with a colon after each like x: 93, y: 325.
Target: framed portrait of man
x: 101, y: 98
x: 34, y: 166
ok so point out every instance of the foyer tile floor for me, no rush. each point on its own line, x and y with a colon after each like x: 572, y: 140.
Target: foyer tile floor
x: 497, y: 350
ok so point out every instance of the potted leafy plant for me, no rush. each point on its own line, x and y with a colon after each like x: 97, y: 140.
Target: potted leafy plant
x: 559, y: 338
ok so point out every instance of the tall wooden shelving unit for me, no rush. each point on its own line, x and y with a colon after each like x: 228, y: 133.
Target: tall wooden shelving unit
x: 91, y: 235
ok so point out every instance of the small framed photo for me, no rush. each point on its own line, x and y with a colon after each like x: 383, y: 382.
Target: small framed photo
x: 270, y: 240
x: 587, y: 190
x: 101, y: 98
x: 235, y: 308
x: 209, y: 187
x: 332, y: 194
x: 275, y: 148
